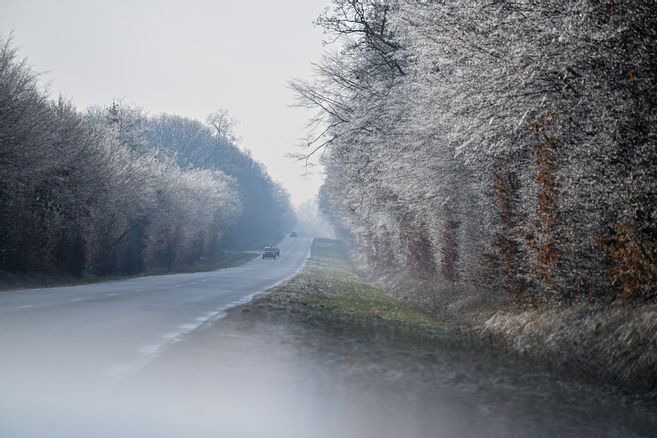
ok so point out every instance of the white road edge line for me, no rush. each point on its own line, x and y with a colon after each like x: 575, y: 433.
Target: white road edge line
x: 122, y: 371
x: 117, y: 371
x: 188, y: 327
x: 172, y: 335
x: 149, y: 349
x: 278, y: 283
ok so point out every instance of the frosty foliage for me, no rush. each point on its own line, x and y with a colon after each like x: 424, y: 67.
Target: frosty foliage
x: 266, y: 212
x: 511, y: 145
x: 114, y: 191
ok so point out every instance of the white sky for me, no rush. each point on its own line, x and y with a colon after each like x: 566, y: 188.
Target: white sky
x: 188, y: 57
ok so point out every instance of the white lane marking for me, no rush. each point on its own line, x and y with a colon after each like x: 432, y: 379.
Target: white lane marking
x: 188, y: 327
x: 25, y: 306
x: 75, y: 300
x: 152, y: 351
x: 149, y: 349
x: 113, y: 294
x: 139, y: 290
x: 118, y: 370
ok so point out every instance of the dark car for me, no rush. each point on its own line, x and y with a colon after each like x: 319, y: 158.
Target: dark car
x: 269, y: 253
x: 276, y: 250
x: 293, y: 234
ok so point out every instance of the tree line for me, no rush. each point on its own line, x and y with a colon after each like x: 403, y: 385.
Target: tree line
x: 509, y: 146
x: 115, y: 191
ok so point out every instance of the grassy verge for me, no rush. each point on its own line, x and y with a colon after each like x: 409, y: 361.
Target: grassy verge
x: 615, y: 344
x: 328, y: 295
x: 340, y: 335
x: 12, y: 281
x: 328, y: 299
x: 601, y: 343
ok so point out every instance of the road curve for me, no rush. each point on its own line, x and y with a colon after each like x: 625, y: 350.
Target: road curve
x: 107, y: 331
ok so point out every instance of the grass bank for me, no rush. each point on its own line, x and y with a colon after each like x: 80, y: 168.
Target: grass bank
x: 331, y: 334
x: 328, y: 296
x: 614, y: 343
x: 13, y: 281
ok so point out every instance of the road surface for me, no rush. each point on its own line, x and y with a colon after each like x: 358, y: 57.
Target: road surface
x: 152, y: 357
x: 108, y: 331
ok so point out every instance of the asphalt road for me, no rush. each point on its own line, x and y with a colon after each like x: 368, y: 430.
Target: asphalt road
x: 152, y: 357
x: 98, y: 333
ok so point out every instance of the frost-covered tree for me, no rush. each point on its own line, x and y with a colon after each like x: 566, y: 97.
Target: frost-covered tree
x: 114, y: 191
x: 266, y: 213
x: 509, y: 145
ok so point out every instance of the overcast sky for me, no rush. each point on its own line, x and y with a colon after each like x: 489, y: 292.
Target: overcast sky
x: 189, y: 57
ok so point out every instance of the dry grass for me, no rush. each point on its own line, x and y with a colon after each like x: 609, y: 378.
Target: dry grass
x: 617, y: 343
x: 604, y: 344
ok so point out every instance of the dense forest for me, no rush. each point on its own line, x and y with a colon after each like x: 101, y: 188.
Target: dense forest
x: 114, y: 191
x: 509, y: 147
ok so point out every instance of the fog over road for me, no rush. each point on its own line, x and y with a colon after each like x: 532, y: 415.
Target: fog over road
x: 98, y: 334
x: 153, y: 357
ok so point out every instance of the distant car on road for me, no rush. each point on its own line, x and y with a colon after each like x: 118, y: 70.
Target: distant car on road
x: 276, y: 250
x: 269, y: 253
x: 293, y: 234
